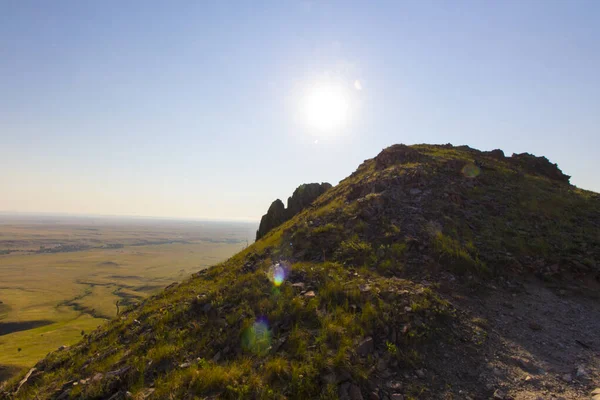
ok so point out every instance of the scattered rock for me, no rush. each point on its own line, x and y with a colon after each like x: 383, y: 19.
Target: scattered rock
x: 414, y: 192
x: 499, y: 394
x: 525, y: 364
x: 97, y: 377
x: 364, y: 288
x: 397, y: 396
x: 185, y: 365
x: 394, y: 385
x: 329, y: 378
x: 118, y: 396
x: 374, y: 396
x: 535, y: 326
x: 147, y: 393
x: 343, y: 391
x: 118, y: 372
x: 420, y: 373
x: 25, y: 379
x: 365, y: 347
x: 567, y: 378
x: 355, y: 393
x: 581, y: 372
x: 63, y: 347
x: 298, y: 285
x: 310, y: 294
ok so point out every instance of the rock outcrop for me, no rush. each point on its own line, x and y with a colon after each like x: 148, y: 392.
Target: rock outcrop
x: 302, y: 197
x: 275, y: 216
x: 539, y: 166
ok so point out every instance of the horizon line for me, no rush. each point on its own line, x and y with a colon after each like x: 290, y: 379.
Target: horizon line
x: 131, y: 216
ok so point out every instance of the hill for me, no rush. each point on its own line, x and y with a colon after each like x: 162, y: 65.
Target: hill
x: 431, y: 272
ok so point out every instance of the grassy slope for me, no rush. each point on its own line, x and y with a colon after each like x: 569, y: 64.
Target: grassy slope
x: 362, y: 247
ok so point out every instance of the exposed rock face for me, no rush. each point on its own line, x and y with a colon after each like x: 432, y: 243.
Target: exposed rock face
x: 302, y: 197
x: 539, y: 166
x: 275, y: 216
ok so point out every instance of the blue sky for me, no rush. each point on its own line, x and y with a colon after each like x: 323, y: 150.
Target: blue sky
x: 191, y: 108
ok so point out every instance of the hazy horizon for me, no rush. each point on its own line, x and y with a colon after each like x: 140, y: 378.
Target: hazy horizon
x: 212, y: 110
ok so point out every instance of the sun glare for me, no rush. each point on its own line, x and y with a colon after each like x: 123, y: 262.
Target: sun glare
x: 326, y: 108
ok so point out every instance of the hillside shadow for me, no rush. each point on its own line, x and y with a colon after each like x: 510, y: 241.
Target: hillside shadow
x: 10, y: 327
x: 8, y: 371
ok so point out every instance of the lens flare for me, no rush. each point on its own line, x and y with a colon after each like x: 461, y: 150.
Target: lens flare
x: 278, y: 273
x: 257, y: 337
x: 471, y: 170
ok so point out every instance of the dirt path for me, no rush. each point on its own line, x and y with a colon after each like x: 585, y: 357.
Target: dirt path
x: 541, y: 344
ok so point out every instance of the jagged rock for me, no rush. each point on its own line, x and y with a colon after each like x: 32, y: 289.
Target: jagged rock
x: 496, y: 153
x: 274, y: 217
x: 302, y: 197
x: 539, y: 166
x: 499, y: 395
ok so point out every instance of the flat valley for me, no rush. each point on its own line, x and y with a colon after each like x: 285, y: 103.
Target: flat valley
x: 62, y: 276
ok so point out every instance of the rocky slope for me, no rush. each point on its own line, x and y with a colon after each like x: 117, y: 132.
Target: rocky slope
x: 302, y: 197
x: 432, y: 272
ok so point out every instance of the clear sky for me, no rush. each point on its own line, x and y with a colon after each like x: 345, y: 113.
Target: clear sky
x: 197, y: 108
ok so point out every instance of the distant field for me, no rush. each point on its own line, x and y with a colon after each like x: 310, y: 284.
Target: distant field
x: 63, y: 276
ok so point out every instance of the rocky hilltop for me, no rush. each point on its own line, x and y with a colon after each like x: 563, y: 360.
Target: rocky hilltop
x: 431, y: 272
x: 277, y: 214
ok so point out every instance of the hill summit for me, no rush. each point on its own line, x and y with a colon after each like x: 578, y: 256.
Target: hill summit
x: 431, y: 272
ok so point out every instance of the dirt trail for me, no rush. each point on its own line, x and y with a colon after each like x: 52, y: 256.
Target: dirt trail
x: 542, y: 344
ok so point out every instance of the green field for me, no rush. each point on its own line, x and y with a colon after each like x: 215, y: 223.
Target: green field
x: 64, y: 277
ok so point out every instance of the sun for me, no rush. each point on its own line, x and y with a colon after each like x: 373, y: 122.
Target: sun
x: 326, y: 107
